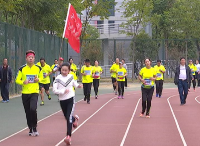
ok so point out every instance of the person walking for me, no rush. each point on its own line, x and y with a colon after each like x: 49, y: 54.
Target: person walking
x: 45, y: 83
x: 113, y: 70
x: 147, y: 76
x: 193, y: 70
x: 29, y: 76
x: 198, y: 73
x: 121, y: 74
x: 87, y: 80
x: 63, y: 86
x: 182, y: 78
x: 125, y: 66
x: 160, y: 70
x: 5, y: 80
x: 97, y: 71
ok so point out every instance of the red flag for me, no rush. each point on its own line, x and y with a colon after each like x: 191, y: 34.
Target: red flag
x: 73, y: 27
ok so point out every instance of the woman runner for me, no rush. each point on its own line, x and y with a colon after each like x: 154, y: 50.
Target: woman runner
x: 193, y: 70
x: 147, y: 76
x: 63, y: 86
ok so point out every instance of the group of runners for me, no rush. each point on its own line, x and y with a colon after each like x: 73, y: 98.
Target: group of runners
x: 35, y: 80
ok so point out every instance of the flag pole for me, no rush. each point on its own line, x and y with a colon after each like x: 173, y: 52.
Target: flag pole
x: 64, y: 29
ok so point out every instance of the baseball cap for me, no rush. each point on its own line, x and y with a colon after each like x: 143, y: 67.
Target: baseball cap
x: 120, y: 62
x: 61, y: 59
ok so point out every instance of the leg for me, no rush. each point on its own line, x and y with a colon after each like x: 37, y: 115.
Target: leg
x: 46, y: 87
x: 113, y: 81
x: 157, y: 87
x: 84, y: 91
x: 119, y: 88
x: 161, y: 87
x: 33, y: 109
x: 122, y: 87
x: 3, y: 92
x: 7, y: 91
x: 149, y: 98
x: 89, y: 86
x: 26, y: 104
x: 185, y: 87
x: 180, y: 90
x: 194, y: 82
x: 95, y: 86
x: 189, y: 85
x: 42, y: 95
x: 144, y: 99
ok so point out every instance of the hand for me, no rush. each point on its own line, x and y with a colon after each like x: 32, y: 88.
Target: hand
x: 152, y: 79
x: 83, y: 74
x: 66, y: 91
x: 25, y: 82
x: 80, y: 86
x: 143, y: 81
x: 36, y: 79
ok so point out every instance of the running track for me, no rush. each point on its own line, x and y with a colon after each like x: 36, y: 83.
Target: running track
x: 109, y: 121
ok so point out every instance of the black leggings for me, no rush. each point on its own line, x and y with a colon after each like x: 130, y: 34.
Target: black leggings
x: 87, y: 90
x: 125, y: 83
x: 96, y: 86
x: 193, y: 82
x: 120, y: 87
x: 146, y: 99
x: 159, y: 87
x: 113, y: 81
x: 30, y: 107
x: 67, y: 107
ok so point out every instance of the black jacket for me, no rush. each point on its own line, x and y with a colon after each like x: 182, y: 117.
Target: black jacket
x: 9, y: 74
x: 188, y: 74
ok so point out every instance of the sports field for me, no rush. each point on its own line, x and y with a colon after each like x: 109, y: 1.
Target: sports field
x: 108, y: 121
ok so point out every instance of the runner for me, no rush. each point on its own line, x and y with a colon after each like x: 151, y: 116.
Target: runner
x: 125, y: 66
x: 97, y: 71
x: 147, y: 76
x: 64, y: 86
x: 29, y: 76
x: 182, y: 77
x: 198, y: 73
x: 160, y: 70
x: 73, y: 68
x: 193, y: 70
x: 54, y: 66
x: 113, y: 70
x: 121, y: 74
x: 57, y: 69
x: 45, y: 83
x: 87, y: 80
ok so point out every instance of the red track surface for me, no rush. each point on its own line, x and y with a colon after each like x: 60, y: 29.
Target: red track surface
x: 108, y: 126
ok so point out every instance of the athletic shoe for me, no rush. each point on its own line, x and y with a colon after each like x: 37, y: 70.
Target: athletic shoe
x: 88, y: 102
x: 67, y: 140
x: 42, y: 103
x: 84, y: 98
x: 125, y: 87
x: 35, y: 132
x: 75, y: 123
x: 30, y: 132
x: 141, y: 114
x: 147, y: 116
x: 157, y: 95
x: 122, y: 97
x: 188, y: 90
x: 115, y: 92
x: 96, y: 97
x: 119, y: 97
x: 3, y: 101
x: 194, y: 89
x: 49, y: 97
x: 7, y: 100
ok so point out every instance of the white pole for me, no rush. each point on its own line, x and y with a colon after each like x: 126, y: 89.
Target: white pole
x: 66, y: 20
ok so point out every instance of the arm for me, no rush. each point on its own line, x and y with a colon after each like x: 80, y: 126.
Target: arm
x: 82, y: 71
x: 18, y: 79
x: 140, y: 78
x: 40, y: 77
x: 56, y: 90
x: 10, y: 74
x: 76, y: 85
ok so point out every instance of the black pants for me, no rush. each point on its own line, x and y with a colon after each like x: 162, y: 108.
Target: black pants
x: 113, y: 81
x: 125, y: 83
x: 30, y: 107
x: 193, y: 82
x: 87, y: 90
x: 5, y: 91
x: 67, y: 107
x: 183, y: 90
x: 159, y: 87
x: 147, y: 94
x: 120, y: 88
x: 96, y: 86
x: 198, y: 79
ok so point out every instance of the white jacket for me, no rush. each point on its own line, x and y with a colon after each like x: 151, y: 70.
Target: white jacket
x: 62, y: 83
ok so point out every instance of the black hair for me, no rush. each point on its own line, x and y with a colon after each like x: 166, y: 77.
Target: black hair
x: 30, y: 51
x: 66, y: 64
x: 87, y: 60
x: 124, y: 60
x: 182, y: 58
x: 146, y: 59
x: 159, y: 61
x: 70, y: 59
x: 55, y: 59
x: 42, y: 58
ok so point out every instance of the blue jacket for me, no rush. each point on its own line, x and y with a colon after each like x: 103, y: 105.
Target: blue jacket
x: 9, y: 74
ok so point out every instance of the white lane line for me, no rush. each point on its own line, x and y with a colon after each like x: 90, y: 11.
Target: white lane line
x: 129, y: 125
x: 88, y: 119
x: 27, y: 127
x: 197, y: 99
x: 176, y: 121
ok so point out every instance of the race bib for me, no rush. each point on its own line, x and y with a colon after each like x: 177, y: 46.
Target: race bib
x: 97, y: 74
x: 192, y: 72
x: 44, y: 75
x: 87, y: 72
x: 120, y: 73
x: 30, y: 78
x: 147, y: 82
x: 159, y: 75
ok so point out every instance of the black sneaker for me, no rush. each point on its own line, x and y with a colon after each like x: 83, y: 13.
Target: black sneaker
x: 88, y: 102
x: 30, y: 132
x: 35, y: 132
x: 96, y: 97
x: 84, y: 98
